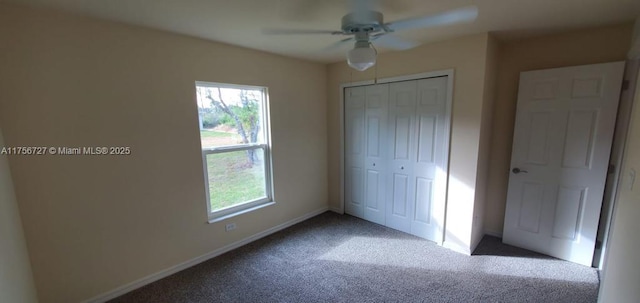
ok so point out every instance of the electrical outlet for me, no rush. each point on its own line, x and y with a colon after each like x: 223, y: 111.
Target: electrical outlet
x: 230, y: 227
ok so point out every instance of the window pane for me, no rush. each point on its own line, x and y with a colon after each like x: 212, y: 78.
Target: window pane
x: 230, y: 116
x: 236, y: 177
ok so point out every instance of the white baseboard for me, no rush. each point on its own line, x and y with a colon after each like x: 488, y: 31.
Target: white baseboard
x: 493, y: 233
x: 336, y: 210
x: 184, y: 265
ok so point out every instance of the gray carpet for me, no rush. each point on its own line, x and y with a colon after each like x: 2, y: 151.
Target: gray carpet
x: 336, y: 258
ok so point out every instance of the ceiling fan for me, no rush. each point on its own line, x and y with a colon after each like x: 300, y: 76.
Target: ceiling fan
x: 364, y: 25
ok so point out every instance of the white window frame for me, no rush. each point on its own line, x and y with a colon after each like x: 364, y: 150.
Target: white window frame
x: 248, y: 206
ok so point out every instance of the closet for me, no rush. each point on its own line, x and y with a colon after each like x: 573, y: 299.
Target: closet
x: 395, y: 154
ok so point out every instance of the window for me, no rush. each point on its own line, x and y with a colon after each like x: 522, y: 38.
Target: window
x: 234, y: 134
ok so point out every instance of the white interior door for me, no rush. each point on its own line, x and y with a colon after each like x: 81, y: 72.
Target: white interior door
x: 418, y: 156
x: 402, y: 116
x: 431, y: 158
x: 562, y: 139
x: 354, y: 153
x: 376, y: 103
x: 396, y: 146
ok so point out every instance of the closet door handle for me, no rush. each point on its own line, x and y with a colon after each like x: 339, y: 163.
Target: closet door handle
x: 401, y: 167
x: 518, y: 170
x: 374, y: 164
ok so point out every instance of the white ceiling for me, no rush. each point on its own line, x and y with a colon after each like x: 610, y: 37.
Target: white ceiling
x: 239, y: 22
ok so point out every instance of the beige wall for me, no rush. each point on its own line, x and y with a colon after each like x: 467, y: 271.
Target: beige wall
x: 621, y: 275
x: 96, y: 223
x: 467, y: 55
x: 574, y: 48
x: 16, y: 280
x: 484, y: 150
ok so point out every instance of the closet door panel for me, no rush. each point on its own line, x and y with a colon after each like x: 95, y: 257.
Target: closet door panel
x: 402, y: 132
x: 354, y: 142
x: 402, y: 136
x: 396, y: 155
x: 376, y: 102
x: 430, y: 165
x: 399, y: 207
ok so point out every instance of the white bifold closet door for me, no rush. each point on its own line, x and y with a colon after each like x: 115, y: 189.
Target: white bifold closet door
x: 395, y: 155
x: 365, y: 155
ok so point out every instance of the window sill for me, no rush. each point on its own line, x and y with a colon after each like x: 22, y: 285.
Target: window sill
x: 215, y: 219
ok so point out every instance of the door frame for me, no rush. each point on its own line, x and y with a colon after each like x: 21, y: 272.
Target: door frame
x: 449, y: 73
x: 620, y: 138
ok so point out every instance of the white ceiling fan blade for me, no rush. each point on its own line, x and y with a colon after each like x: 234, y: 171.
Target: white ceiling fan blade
x: 338, y: 44
x: 393, y: 42
x: 466, y: 14
x: 284, y: 31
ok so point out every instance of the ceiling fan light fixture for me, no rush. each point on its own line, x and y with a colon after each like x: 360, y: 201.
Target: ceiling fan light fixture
x: 361, y: 57
x: 364, y: 24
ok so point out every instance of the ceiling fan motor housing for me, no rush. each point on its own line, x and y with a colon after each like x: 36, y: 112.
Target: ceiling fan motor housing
x: 363, y: 21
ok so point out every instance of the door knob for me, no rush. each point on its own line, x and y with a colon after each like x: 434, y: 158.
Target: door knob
x: 516, y: 170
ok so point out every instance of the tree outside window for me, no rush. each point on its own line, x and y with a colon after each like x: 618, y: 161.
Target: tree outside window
x: 233, y: 131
